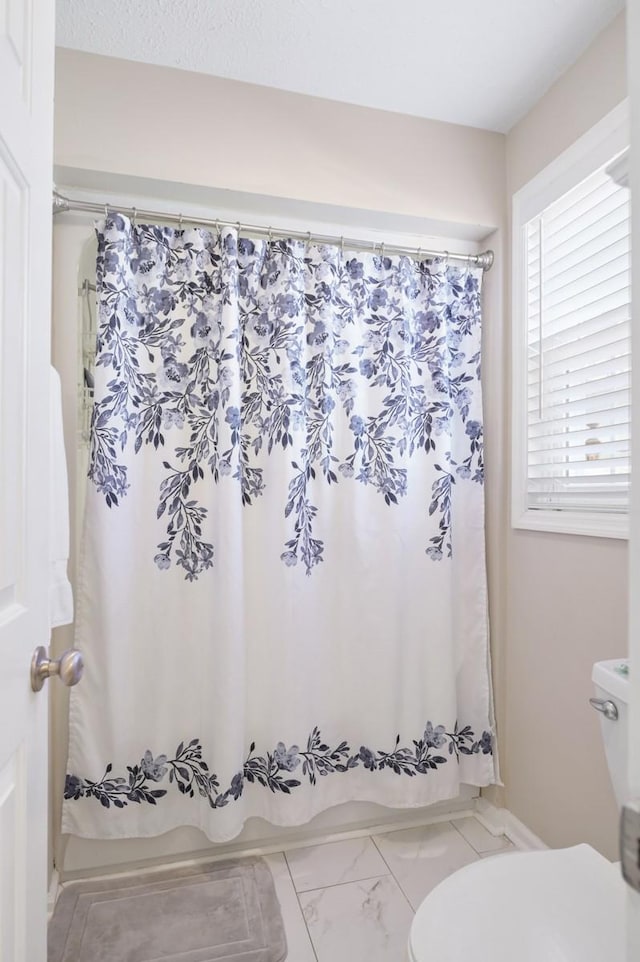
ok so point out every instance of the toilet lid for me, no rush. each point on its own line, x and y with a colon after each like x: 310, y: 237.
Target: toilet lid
x: 566, y: 905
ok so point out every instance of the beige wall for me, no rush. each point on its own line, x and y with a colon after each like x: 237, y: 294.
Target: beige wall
x: 177, y: 126
x: 566, y: 595
x: 118, y: 118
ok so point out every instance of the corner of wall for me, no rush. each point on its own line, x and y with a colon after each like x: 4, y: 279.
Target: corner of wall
x: 555, y: 774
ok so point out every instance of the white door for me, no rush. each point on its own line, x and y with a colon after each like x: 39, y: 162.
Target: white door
x: 633, y: 33
x: 26, y: 135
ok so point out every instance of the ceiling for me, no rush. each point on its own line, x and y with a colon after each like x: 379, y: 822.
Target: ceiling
x: 482, y: 64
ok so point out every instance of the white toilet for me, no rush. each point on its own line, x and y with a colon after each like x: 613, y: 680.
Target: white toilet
x: 563, y: 905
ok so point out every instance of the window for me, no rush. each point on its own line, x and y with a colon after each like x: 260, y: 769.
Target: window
x: 572, y: 340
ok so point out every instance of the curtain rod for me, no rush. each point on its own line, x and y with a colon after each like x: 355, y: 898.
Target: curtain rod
x: 62, y: 204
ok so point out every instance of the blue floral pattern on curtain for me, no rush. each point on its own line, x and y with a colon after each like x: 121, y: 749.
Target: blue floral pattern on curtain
x: 284, y: 517
x: 316, y: 332
x: 190, y: 772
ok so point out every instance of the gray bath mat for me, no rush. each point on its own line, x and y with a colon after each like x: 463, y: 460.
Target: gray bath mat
x: 219, y: 911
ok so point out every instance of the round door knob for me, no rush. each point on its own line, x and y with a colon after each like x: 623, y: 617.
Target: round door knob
x: 68, y: 667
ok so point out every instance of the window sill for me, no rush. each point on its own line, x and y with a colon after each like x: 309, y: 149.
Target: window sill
x: 590, y: 524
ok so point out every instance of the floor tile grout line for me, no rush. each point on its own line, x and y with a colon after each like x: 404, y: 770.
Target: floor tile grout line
x: 396, y: 880
x: 322, y: 888
x: 470, y: 844
x: 304, y: 918
x: 489, y: 851
x: 360, y: 878
x: 390, y: 874
x: 354, y: 881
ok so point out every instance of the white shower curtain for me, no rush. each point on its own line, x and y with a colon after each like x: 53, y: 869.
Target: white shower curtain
x: 282, y: 600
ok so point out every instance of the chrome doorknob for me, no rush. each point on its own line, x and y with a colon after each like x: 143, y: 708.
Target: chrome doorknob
x: 68, y: 667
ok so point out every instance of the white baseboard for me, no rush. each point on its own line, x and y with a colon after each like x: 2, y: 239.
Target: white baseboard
x: 52, y: 895
x: 500, y: 821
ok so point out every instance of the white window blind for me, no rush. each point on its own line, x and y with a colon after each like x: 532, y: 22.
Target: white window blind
x: 579, y: 350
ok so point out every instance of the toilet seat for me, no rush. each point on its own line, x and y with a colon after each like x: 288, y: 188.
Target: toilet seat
x: 564, y: 905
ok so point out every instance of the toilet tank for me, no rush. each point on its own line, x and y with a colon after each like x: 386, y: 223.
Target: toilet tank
x: 611, y: 684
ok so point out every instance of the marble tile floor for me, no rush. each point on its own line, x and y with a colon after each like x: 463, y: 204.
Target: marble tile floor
x: 353, y: 900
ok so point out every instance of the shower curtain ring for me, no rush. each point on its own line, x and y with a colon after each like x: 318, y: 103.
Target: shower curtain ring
x: 135, y: 214
x: 270, y: 235
x: 217, y: 226
x: 180, y: 221
x: 419, y: 254
x: 106, y: 212
x: 382, y: 249
x: 342, y: 245
x: 308, y: 237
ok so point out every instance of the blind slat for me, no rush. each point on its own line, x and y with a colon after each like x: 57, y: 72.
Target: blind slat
x: 578, y: 348
x: 594, y: 288
x: 582, y: 468
x: 583, y: 228
x: 590, y: 405
x: 600, y: 451
x: 571, y: 318
x: 581, y: 284
x: 574, y: 422
x: 595, y: 387
x: 596, y: 366
x: 616, y: 238
x: 589, y: 440
x: 587, y: 188
x: 600, y: 322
